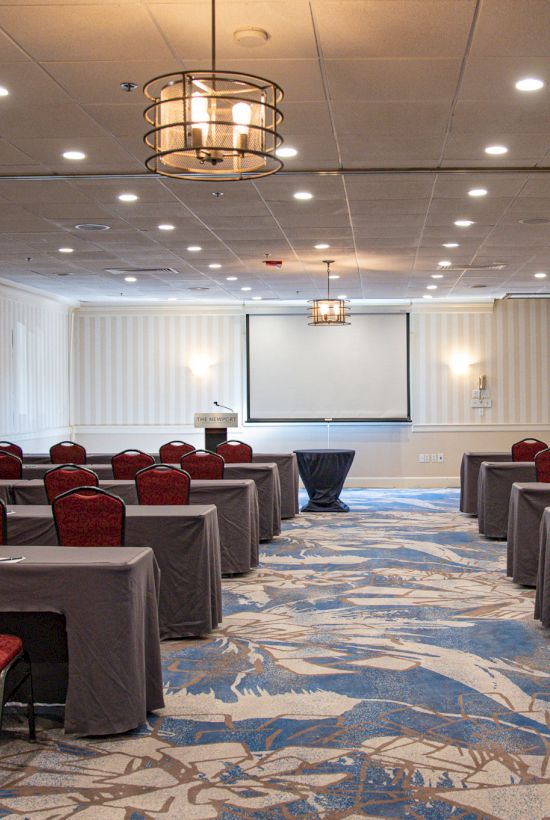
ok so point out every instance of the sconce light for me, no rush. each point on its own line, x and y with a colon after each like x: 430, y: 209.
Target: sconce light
x: 482, y: 382
x: 460, y: 363
x: 200, y: 365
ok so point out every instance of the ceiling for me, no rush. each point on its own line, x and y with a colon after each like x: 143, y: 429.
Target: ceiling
x: 369, y: 84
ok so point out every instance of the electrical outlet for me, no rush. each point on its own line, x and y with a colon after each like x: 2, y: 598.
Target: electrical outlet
x: 434, y: 457
x: 440, y: 457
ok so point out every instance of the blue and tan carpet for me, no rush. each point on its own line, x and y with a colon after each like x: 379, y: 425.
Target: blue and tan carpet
x: 378, y: 664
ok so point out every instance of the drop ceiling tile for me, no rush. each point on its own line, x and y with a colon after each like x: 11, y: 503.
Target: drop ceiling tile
x: 416, y: 119
x: 384, y: 80
x: 512, y: 27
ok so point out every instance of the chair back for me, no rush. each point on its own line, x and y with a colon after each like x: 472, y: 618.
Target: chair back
x: 9, y: 447
x: 172, y: 452
x: 3, y: 524
x: 89, y: 517
x: 127, y: 463
x: 10, y: 466
x: 162, y: 484
x: 542, y: 465
x: 527, y: 448
x: 202, y: 464
x: 66, y: 477
x: 235, y: 452
x: 67, y: 452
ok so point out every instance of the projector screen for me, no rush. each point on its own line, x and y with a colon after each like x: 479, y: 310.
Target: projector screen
x: 359, y: 372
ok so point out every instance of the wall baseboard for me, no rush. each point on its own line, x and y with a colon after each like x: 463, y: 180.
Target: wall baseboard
x: 403, y: 482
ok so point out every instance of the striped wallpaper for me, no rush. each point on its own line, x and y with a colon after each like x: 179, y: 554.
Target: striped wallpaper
x: 155, y: 368
x: 148, y: 368
x: 34, y: 344
x: 510, y: 345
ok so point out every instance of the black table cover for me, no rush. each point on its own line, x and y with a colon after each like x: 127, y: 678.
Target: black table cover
x: 323, y: 473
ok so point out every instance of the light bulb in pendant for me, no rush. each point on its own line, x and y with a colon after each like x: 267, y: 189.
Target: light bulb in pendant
x: 200, y: 118
x: 242, y: 114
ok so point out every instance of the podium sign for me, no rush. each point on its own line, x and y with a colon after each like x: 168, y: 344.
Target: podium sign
x: 215, y: 427
x: 216, y: 420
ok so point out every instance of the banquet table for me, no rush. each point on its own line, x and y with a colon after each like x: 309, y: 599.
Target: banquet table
x: 235, y: 501
x: 286, y: 463
x: 469, y: 474
x: 542, y: 597
x: 527, y: 504
x: 108, y: 597
x: 185, y: 541
x: 494, y: 488
x: 323, y: 473
x: 266, y: 477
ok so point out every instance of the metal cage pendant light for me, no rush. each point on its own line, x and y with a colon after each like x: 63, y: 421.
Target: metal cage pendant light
x: 213, y: 124
x: 329, y: 312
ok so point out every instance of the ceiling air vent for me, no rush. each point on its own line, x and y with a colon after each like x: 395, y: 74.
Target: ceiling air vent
x: 140, y: 271
x: 496, y: 266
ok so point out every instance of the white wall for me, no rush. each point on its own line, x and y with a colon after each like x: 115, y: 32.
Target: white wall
x: 139, y: 375
x: 34, y: 369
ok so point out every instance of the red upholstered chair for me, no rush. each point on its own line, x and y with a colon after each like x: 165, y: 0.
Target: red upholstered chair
x: 14, y: 449
x: 527, y: 448
x: 203, y: 464
x: 235, y: 452
x: 15, y: 670
x: 542, y: 465
x: 3, y: 524
x: 172, y: 452
x: 67, y: 452
x: 127, y: 463
x: 89, y: 517
x: 10, y: 466
x: 66, y: 477
x: 162, y: 484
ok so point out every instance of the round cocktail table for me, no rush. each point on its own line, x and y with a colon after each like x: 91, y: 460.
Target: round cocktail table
x: 323, y: 473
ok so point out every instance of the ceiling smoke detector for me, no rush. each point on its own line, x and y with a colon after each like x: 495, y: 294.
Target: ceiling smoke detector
x: 250, y: 37
x: 92, y: 226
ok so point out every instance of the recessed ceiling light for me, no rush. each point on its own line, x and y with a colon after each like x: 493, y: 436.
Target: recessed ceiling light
x: 463, y: 223
x: 529, y: 84
x: 334, y: 276
x: 130, y: 279
x: 478, y: 192
x: 194, y: 248
x: 74, y: 155
x: 427, y: 296
x: 3, y: 91
x: 92, y: 226
x: 303, y: 195
x: 172, y: 299
x: 231, y: 278
x: 540, y: 275
x: 66, y: 250
x: 322, y: 246
x: 257, y: 298
x: 445, y: 263
x: 431, y: 287
x: 286, y: 152
x: 342, y: 296
x: 166, y: 227
x: 128, y: 197
x: 199, y: 287
x: 534, y: 220
x: 246, y: 288
x: 496, y: 150
x: 450, y: 245
x: 437, y: 276
x: 214, y: 266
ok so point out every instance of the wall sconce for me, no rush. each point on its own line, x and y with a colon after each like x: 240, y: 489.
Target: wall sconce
x: 460, y: 363
x: 199, y: 365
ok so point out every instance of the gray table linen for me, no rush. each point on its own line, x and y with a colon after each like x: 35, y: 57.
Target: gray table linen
x: 527, y: 505
x: 235, y: 501
x: 109, y: 600
x: 286, y: 462
x: 542, y: 597
x: 186, y: 544
x: 494, y: 488
x: 469, y: 474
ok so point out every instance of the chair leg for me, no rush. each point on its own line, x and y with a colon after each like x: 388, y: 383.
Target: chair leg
x: 30, y: 704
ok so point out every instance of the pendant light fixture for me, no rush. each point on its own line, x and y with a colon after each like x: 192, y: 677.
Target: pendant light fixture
x: 213, y: 124
x: 329, y: 312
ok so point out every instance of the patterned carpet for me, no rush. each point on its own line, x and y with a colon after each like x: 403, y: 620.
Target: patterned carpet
x: 378, y: 664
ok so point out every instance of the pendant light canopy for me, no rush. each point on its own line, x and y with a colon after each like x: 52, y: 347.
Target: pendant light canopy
x: 213, y: 124
x: 329, y: 312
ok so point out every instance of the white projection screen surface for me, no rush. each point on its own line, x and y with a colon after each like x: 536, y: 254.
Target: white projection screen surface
x: 359, y: 372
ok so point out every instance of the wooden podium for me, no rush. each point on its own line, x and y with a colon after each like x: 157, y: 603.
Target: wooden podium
x: 215, y: 427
